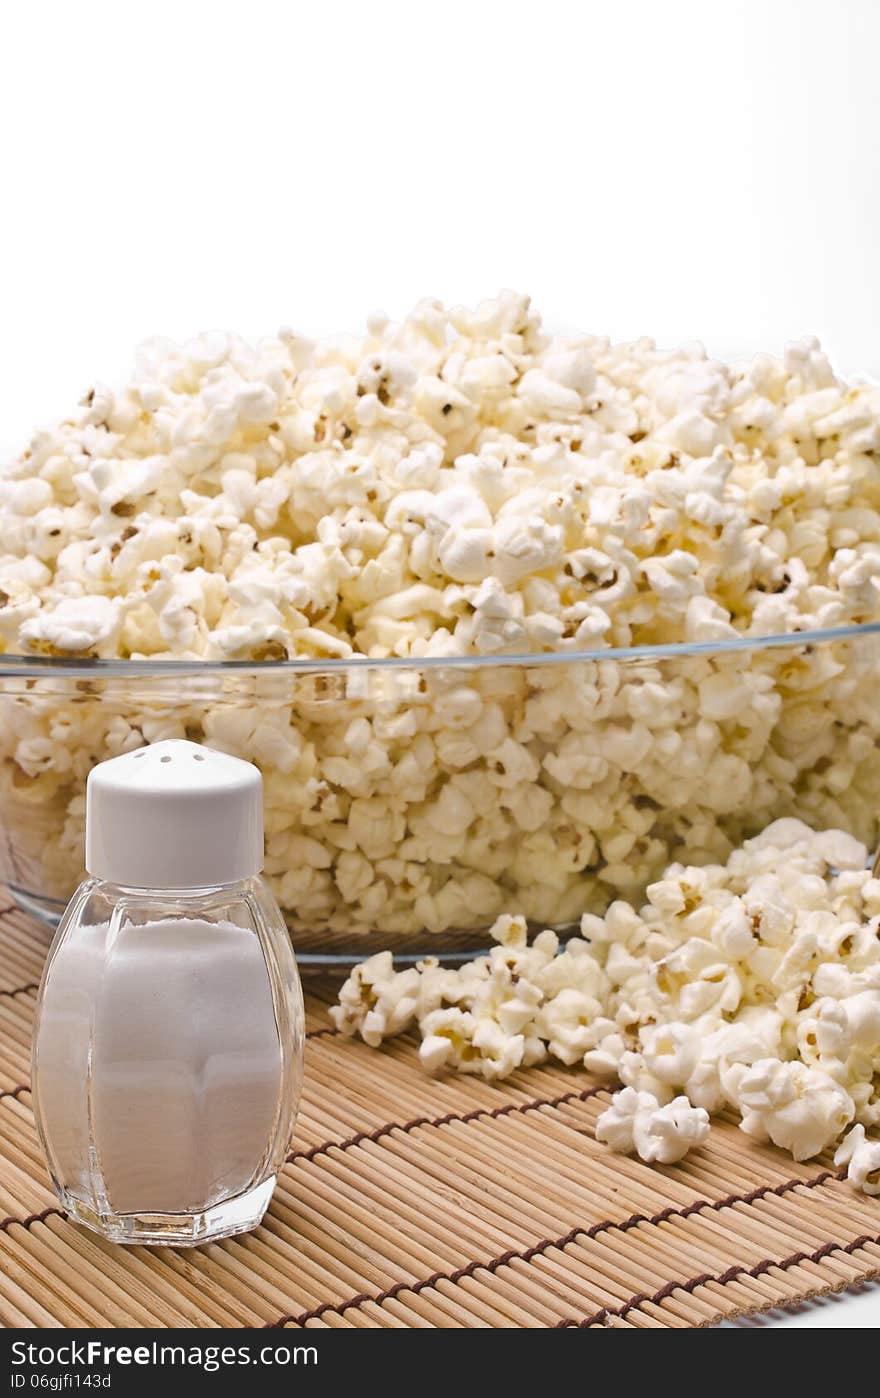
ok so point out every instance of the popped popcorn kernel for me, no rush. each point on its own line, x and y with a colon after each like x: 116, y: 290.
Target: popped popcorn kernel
x: 637, y: 1122
x: 862, y: 1159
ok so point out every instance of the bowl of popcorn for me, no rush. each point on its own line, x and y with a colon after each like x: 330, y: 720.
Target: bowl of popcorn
x: 507, y: 620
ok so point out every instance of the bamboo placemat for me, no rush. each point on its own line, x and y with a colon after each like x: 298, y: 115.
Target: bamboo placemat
x: 410, y: 1202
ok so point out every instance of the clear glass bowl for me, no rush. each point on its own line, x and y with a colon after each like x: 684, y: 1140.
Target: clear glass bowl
x: 408, y: 803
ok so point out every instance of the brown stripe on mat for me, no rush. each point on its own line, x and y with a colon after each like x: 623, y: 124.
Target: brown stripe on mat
x: 7, y: 1223
x: 733, y: 1273
x: 506, y: 1258
x: 413, y: 1202
x: 405, y: 1127
x: 16, y: 1091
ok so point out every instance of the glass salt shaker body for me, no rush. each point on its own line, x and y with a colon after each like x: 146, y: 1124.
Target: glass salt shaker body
x: 168, y: 1044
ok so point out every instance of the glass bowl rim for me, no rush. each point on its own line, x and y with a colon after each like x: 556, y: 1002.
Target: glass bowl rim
x: 43, y: 666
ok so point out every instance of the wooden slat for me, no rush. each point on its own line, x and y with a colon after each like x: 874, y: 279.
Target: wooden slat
x: 408, y: 1203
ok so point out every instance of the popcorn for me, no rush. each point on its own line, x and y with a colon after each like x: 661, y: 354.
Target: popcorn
x: 671, y: 1052
x: 616, y: 1125
x: 448, y: 1041
x: 635, y: 1121
x: 862, y: 1159
x: 798, y: 1108
x: 565, y: 1024
x: 456, y: 1038
x: 462, y: 485
x: 668, y: 1133
x: 753, y: 985
x: 862, y: 1011
x: 376, y: 1001
x: 74, y: 624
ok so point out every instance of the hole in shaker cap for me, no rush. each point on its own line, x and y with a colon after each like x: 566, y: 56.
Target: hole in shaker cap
x: 165, y: 759
x: 198, y: 757
x: 141, y: 753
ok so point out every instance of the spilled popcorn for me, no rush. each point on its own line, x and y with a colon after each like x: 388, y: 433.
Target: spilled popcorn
x: 635, y: 1121
x: 753, y: 985
x: 862, y: 1159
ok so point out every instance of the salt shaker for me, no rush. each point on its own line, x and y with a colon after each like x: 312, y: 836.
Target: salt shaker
x: 168, y: 1044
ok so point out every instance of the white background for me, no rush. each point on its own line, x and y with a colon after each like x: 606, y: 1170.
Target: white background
x: 685, y: 169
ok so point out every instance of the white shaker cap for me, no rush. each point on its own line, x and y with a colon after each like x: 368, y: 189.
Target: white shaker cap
x: 174, y: 815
